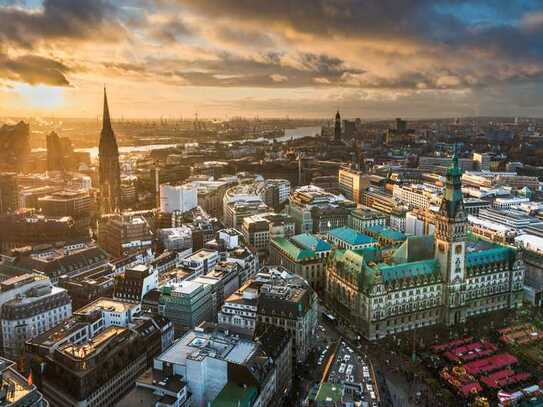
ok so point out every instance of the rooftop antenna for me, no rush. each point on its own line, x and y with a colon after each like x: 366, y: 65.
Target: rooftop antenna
x: 157, y: 186
x: 299, y: 158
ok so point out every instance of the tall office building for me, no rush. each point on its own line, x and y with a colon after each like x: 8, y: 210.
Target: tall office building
x: 14, y: 147
x: 123, y: 234
x: 352, y: 180
x: 8, y: 192
x: 55, y: 154
x: 110, y: 173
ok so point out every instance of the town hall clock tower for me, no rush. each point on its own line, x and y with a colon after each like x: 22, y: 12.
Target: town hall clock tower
x: 450, y: 248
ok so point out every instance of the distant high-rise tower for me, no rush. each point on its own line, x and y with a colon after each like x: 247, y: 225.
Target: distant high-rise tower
x: 357, y: 158
x: 110, y: 173
x: 337, y: 129
x: 8, y: 192
x: 401, y: 125
x: 55, y: 155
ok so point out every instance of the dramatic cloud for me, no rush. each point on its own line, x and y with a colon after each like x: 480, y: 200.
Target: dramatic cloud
x: 375, y: 57
x: 169, y: 30
x: 511, y: 34
x: 58, y: 19
x: 34, y: 70
x: 227, y: 70
x: 245, y: 38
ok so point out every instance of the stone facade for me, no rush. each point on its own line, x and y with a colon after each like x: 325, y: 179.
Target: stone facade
x: 427, y: 280
x: 109, y: 171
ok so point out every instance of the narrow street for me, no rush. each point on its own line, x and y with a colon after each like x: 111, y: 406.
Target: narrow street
x: 394, y: 388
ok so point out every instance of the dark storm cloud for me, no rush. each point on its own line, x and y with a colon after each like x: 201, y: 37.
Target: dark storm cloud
x: 388, y: 18
x: 59, y: 19
x: 172, y: 30
x: 34, y: 70
x: 456, y: 23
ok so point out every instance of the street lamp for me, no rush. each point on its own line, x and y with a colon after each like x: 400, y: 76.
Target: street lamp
x: 414, y: 354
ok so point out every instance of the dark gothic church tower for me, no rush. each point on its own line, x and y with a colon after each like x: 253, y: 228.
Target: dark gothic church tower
x: 110, y: 173
x: 337, y: 129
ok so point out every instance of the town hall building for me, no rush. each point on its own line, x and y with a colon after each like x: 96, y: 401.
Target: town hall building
x: 442, y: 279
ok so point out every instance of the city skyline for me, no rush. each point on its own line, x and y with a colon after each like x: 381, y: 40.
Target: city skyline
x: 370, y: 59
x: 313, y: 203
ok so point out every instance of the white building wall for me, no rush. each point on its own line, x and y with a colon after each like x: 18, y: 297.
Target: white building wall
x: 206, y: 378
x: 180, y: 198
x: 120, y: 318
x: 150, y: 282
x: 284, y: 191
x: 15, y: 332
x: 216, y: 377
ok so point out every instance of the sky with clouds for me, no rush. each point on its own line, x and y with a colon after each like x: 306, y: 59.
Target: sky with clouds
x: 301, y: 58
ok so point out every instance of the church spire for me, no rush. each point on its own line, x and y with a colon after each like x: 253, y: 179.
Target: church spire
x: 109, y: 169
x: 106, y: 120
x: 337, y: 127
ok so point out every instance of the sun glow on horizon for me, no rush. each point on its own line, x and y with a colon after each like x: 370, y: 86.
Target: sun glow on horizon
x: 41, y: 96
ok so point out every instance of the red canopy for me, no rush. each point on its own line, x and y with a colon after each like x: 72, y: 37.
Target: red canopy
x: 490, y: 363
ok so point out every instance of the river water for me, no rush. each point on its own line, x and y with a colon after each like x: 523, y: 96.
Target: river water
x: 290, y: 134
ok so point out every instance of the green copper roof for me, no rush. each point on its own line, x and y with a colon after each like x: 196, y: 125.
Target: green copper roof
x: 454, y: 169
x: 453, y: 200
x: 361, y: 256
x: 405, y: 270
x: 293, y: 251
x: 311, y: 242
x: 354, y: 263
x: 233, y: 395
x: 358, y: 264
x: 387, y: 232
x: 488, y: 256
x: 351, y: 236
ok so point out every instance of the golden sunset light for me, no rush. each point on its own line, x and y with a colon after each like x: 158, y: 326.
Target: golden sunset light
x: 371, y: 59
x: 271, y: 203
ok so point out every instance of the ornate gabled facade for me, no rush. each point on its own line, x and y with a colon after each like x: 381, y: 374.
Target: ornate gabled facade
x: 109, y: 172
x: 427, y: 280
